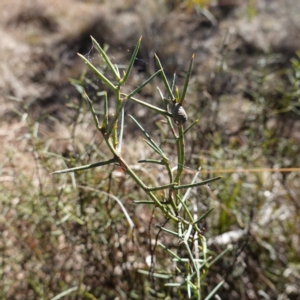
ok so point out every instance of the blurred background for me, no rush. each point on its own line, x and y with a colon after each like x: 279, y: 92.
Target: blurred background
x: 64, y: 237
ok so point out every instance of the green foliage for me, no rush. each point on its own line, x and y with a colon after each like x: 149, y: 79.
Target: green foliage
x: 194, y: 262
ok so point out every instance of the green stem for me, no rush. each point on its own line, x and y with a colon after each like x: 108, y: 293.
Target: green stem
x: 132, y: 174
x: 116, y: 118
x: 180, y: 153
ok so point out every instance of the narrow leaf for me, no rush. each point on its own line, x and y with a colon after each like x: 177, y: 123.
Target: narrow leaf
x: 99, y: 74
x: 192, y: 125
x: 154, y: 145
x: 169, y: 251
x: 204, y: 182
x: 143, y: 202
x: 218, y: 257
x: 154, y: 148
x: 90, y: 166
x: 90, y: 103
x: 133, y: 57
x: 157, y: 275
x: 187, y: 79
x: 204, y: 215
x: 157, y: 109
x: 106, y: 58
x: 144, y: 83
x: 214, y: 290
x: 65, y: 293
x: 162, y: 187
x: 164, y: 78
x: 151, y: 161
x: 167, y: 230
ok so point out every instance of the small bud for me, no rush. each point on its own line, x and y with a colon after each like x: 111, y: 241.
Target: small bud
x: 178, y: 113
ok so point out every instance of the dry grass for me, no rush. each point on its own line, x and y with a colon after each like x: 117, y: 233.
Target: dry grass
x: 61, y: 232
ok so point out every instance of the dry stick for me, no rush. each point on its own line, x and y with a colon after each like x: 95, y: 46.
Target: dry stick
x: 229, y: 171
x: 258, y: 170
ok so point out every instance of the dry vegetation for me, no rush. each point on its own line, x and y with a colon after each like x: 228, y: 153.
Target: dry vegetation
x: 67, y: 233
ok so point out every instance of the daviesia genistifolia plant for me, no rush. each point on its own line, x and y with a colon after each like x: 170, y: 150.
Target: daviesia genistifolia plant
x: 193, y: 267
